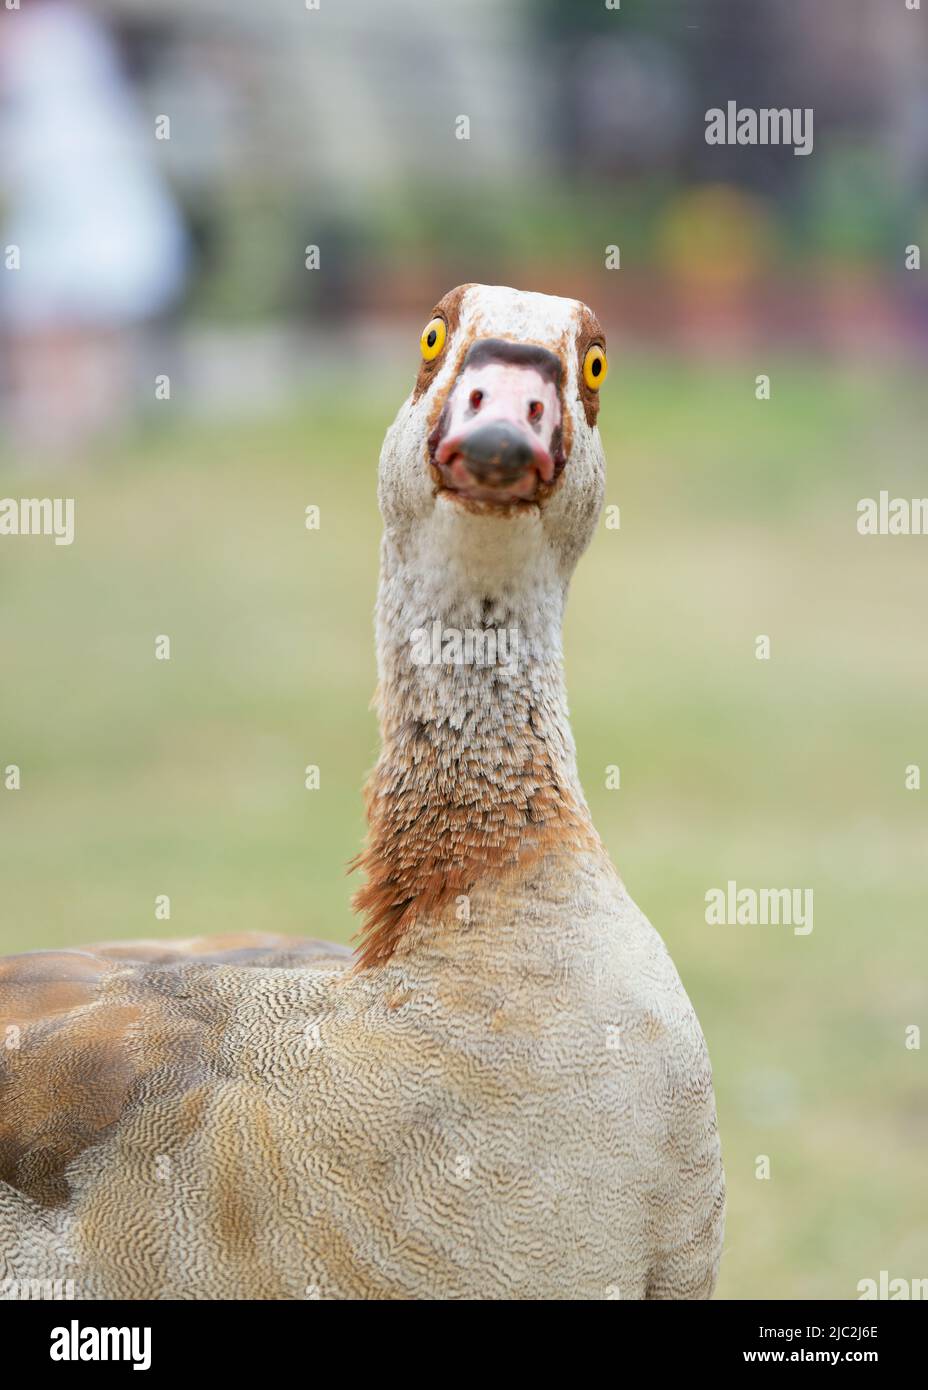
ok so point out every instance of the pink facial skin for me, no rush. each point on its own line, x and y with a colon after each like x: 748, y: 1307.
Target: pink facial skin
x: 490, y: 393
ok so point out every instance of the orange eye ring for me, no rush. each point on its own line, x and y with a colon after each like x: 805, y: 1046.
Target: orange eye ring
x: 433, y: 338
x: 595, y: 367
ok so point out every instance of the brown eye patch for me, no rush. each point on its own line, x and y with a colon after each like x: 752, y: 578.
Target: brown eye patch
x: 589, y: 331
x: 449, y: 309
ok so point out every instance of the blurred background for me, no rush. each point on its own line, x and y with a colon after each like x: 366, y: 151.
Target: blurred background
x: 177, y: 357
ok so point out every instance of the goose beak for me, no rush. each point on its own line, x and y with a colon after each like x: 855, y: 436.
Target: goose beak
x: 494, y: 462
x: 497, y: 440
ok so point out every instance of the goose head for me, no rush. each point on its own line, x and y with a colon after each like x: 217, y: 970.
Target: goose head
x: 496, y: 448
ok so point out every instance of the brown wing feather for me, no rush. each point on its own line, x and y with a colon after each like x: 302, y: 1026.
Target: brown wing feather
x: 235, y: 948
x: 86, y: 1033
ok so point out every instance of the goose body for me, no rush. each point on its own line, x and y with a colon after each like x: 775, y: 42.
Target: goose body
x: 505, y: 1092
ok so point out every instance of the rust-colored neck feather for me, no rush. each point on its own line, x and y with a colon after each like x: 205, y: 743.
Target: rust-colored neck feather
x: 476, y: 780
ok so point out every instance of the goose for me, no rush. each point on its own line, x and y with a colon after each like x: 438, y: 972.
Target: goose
x: 504, y: 1091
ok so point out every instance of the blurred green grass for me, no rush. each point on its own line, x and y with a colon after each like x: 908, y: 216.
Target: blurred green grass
x: 186, y: 777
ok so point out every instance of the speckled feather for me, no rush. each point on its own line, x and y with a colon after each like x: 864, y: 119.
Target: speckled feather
x: 506, y: 1094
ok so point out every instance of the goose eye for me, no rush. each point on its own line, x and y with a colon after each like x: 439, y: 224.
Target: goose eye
x: 433, y: 338
x: 595, y: 367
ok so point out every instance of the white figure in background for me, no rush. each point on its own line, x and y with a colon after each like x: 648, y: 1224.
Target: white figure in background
x: 100, y: 244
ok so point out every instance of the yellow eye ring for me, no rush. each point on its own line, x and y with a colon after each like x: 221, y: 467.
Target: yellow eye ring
x: 433, y: 338
x: 595, y: 367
